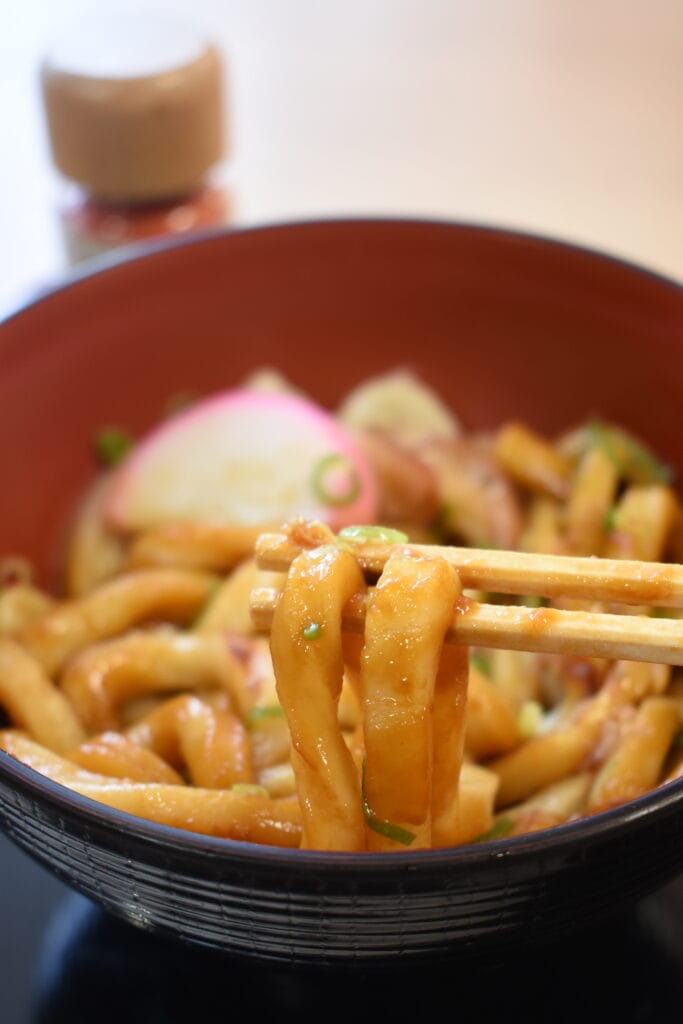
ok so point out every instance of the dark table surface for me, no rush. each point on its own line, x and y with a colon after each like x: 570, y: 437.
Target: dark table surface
x: 63, y: 961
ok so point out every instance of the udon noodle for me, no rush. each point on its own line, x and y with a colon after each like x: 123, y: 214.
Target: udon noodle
x: 148, y: 688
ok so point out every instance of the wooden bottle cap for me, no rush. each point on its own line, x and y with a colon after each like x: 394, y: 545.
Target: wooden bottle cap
x: 134, y: 108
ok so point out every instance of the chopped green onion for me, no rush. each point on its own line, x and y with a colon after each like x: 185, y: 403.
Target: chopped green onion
x: 499, y: 830
x: 249, y: 789
x: 441, y: 527
x: 631, y: 457
x: 664, y: 613
x: 262, y: 711
x: 609, y: 521
x: 677, y: 743
x: 213, y: 590
x: 112, y: 445
x: 383, y: 828
x: 313, y: 631
x: 535, y: 602
x: 373, y: 535
x: 529, y: 718
x: 481, y: 662
x: 335, y: 481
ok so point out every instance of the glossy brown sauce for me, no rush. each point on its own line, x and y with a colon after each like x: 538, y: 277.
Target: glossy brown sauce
x: 464, y: 605
x: 540, y: 619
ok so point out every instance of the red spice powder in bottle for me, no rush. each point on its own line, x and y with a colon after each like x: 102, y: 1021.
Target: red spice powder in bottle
x: 136, y: 118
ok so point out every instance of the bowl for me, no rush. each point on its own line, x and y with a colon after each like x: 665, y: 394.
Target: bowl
x: 502, y: 325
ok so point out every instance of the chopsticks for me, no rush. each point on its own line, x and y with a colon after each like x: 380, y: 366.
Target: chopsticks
x: 515, y: 627
x: 550, y: 630
x: 614, y: 581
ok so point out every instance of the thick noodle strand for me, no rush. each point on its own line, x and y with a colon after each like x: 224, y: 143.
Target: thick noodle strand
x: 450, y: 700
x: 306, y: 645
x: 405, y: 626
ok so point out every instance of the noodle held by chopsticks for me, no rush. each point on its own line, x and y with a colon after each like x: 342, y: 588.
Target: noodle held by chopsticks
x: 410, y: 611
x: 306, y: 646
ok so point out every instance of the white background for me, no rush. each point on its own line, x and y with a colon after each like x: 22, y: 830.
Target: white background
x: 558, y: 116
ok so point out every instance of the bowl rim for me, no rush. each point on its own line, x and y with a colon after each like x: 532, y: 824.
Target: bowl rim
x: 617, y: 820
x: 467, y: 855
x: 123, y: 255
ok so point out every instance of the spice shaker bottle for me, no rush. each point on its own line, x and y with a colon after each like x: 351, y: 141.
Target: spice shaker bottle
x: 136, y: 122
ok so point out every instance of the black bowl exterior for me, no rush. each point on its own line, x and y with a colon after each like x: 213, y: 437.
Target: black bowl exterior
x: 307, y: 909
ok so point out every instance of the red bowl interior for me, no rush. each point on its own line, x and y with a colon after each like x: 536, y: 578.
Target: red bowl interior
x: 501, y: 324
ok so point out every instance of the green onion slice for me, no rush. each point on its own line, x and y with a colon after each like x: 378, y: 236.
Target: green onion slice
x: 383, y: 828
x: 213, y: 590
x: 112, y: 446
x: 313, y: 631
x: 664, y: 613
x: 373, y: 535
x: 335, y: 481
x: 609, y: 521
x: 262, y: 711
x: 441, y: 527
x: 631, y: 457
x: 481, y: 662
x: 529, y: 719
x: 499, y: 830
x: 249, y: 789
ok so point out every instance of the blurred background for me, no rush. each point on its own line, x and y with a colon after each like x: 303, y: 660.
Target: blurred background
x: 546, y: 115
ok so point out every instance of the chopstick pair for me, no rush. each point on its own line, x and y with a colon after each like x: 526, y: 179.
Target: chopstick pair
x: 516, y: 627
